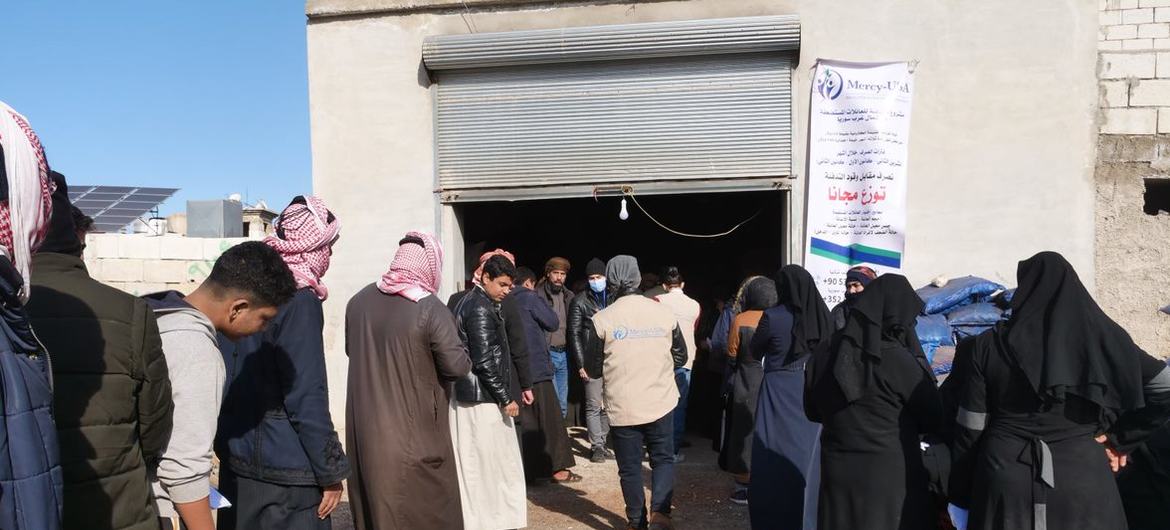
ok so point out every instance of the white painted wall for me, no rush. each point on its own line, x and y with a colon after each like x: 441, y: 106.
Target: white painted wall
x: 1001, y: 156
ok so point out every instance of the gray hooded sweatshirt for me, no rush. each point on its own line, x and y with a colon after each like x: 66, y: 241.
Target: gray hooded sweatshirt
x: 197, y: 377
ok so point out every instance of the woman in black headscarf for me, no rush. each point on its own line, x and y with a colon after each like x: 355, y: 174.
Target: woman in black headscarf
x: 759, y: 293
x: 1039, y: 389
x: 873, y: 392
x: 785, y: 449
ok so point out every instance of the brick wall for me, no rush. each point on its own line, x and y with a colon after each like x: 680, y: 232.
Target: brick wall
x: 1133, y: 247
x: 141, y: 264
x: 1134, y: 66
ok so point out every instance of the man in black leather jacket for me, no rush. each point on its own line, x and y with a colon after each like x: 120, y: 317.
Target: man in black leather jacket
x: 585, y: 349
x: 483, y: 429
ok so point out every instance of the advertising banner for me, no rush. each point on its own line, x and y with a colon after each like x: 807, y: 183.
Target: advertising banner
x: 859, y: 129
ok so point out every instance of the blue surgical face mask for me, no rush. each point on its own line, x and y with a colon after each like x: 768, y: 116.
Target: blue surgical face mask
x: 598, y: 285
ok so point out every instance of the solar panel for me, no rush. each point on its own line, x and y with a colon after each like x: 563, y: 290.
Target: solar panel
x: 114, y: 207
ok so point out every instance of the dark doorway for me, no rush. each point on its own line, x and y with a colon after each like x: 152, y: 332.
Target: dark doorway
x: 580, y: 229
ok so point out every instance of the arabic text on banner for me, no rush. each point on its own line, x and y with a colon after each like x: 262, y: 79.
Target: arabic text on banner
x: 859, y: 129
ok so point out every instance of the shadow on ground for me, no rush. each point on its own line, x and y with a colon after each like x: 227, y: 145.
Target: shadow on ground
x: 700, y: 496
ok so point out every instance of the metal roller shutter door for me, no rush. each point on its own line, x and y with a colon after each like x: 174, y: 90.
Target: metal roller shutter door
x: 562, y: 128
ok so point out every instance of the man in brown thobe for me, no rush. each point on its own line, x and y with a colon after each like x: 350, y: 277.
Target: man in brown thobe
x: 404, y: 350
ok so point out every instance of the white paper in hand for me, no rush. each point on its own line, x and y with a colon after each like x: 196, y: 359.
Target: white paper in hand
x: 958, y: 516
x: 218, y: 501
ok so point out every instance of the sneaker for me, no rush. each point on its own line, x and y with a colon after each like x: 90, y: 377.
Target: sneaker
x: 610, y: 454
x: 740, y: 497
x: 660, y: 521
x: 679, y: 458
x: 599, y: 456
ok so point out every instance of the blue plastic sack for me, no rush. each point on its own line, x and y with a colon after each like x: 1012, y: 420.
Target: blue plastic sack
x: 934, y: 329
x: 957, y: 292
x: 943, y: 361
x: 929, y: 349
x: 980, y: 314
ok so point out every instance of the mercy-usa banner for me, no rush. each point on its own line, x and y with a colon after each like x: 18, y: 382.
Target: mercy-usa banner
x: 859, y: 130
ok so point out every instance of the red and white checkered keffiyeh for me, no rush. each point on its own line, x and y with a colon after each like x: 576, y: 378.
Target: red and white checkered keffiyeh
x: 477, y: 276
x: 416, y: 270
x: 307, y: 245
x: 24, y: 217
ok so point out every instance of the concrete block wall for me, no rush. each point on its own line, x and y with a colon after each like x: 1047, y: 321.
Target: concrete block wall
x: 1133, y: 148
x: 1134, y: 66
x: 141, y: 264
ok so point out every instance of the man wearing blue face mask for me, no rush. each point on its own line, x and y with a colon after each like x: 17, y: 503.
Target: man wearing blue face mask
x: 586, y: 350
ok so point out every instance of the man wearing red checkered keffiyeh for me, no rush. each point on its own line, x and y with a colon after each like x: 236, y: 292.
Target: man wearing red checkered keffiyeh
x: 417, y: 267
x: 304, y: 237
x: 29, y: 493
x: 295, y: 475
x: 25, y: 193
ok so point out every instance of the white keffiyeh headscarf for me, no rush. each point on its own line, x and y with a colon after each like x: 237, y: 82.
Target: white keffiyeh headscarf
x: 26, y: 206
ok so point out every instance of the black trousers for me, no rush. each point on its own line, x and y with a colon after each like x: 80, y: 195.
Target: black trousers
x: 258, y: 505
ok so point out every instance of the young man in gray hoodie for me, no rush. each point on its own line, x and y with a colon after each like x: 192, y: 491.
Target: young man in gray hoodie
x: 246, y: 286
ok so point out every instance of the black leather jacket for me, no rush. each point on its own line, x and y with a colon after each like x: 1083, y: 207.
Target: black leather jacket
x: 585, y: 347
x: 482, y: 329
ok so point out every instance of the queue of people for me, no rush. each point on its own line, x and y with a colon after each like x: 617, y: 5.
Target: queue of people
x: 116, y: 406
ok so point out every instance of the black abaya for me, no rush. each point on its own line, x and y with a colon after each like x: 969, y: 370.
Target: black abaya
x: 1037, y: 390
x: 874, y: 395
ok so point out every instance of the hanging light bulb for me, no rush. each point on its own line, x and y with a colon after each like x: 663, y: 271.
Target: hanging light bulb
x: 625, y: 213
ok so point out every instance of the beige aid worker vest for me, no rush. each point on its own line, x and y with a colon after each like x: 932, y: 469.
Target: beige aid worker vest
x: 639, y: 371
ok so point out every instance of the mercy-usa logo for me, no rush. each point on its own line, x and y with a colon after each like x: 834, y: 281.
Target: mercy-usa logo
x: 830, y: 84
x: 622, y: 333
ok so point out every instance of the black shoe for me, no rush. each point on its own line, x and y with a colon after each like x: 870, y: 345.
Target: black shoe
x: 740, y: 497
x: 598, y: 456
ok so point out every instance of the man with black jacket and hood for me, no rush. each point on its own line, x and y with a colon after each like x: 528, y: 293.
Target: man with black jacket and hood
x: 585, y: 349
x: 113, y: 396
x: 643, y: 344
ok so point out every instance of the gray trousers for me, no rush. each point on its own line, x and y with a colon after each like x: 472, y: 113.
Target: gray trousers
x: 596, y: 419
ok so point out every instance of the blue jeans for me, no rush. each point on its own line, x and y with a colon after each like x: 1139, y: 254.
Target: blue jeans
x: 560, y: 362
x: 682, y: 378
x: 627, y: 444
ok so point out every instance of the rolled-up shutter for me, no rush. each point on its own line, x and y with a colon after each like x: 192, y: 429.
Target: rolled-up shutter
x: 615, y: 105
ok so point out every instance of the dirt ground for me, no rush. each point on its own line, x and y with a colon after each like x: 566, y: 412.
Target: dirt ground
x: 700, y: 495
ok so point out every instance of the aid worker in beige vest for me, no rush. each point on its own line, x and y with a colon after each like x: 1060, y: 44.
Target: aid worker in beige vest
x: 643, y: 346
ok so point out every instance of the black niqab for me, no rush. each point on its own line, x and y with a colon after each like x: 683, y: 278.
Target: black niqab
x: 812, y: 322
x: 884, y: 315
x: 759, y: 294
x: 1065, y: 344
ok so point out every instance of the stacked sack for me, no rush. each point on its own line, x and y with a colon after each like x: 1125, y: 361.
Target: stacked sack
x: 957, y: 309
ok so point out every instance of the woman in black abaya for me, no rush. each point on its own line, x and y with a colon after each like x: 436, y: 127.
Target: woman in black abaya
x: 1043, y: 391
x: 873, y: 392
x: 785, y: 451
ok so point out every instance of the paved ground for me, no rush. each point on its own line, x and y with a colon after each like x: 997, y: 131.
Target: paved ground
x: 700, y: 496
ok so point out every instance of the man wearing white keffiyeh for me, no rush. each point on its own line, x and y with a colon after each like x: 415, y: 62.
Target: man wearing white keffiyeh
x: 30, y: 493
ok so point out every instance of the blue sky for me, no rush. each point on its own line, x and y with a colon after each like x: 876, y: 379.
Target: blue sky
x: 210, y: 97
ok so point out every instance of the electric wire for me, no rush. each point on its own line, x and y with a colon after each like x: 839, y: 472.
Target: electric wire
x: 630, y: 194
